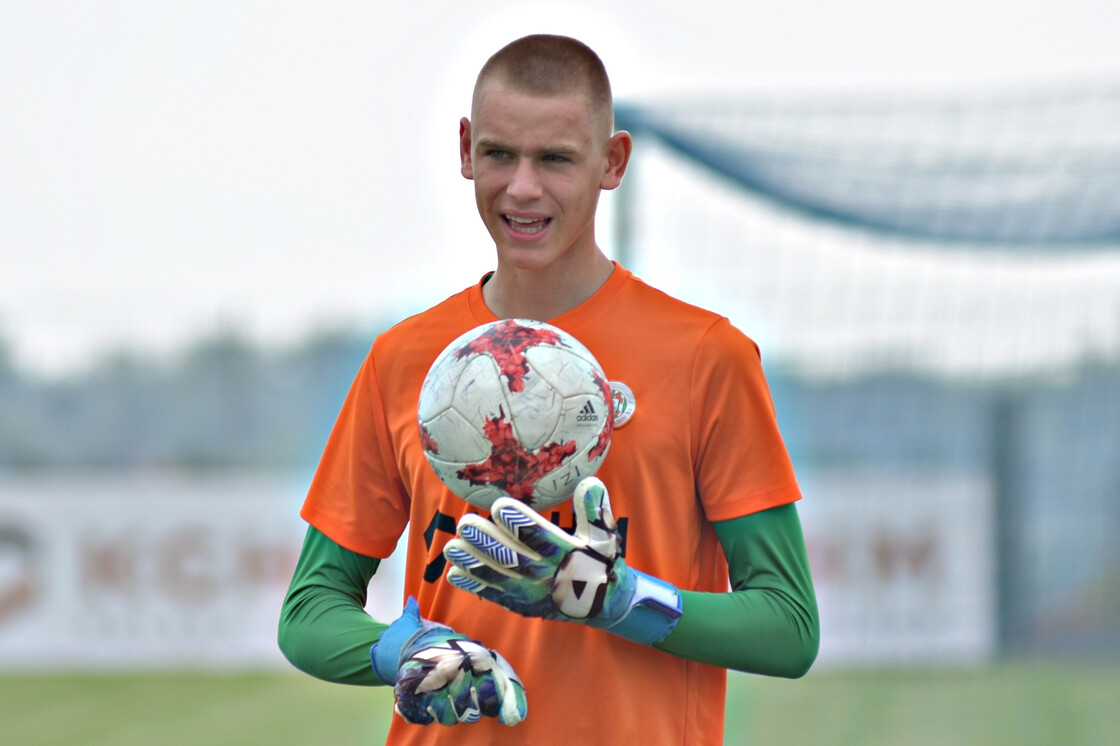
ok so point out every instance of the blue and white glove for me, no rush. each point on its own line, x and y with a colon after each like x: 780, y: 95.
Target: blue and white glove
x: 441, y: 676
x: 526, y: 564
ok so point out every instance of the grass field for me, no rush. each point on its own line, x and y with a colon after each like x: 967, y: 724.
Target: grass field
x: 1043, y: 703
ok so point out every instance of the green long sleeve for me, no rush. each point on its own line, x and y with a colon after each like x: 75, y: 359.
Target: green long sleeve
x: 768, y: 623
x: 324, y: 628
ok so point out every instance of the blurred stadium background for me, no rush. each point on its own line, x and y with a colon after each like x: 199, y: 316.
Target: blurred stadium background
x: 934, y: 281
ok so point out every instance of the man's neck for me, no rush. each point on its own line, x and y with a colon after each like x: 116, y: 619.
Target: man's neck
x: 542, y: 294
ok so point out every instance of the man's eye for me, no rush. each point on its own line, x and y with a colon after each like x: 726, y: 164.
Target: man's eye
x: 556, y: 159
x: 499, y: 154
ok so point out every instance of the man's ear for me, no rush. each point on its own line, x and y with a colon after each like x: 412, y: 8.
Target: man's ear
x: 465, y: 163
x: 618, y: 157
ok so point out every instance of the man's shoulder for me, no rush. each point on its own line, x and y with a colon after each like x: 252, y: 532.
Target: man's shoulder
x: 402, y: 354
x: 428, y: 326
x: 652, y: 303
x: 682, y: 324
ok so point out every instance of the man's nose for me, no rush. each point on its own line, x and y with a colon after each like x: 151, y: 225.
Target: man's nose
x: 525, y: 184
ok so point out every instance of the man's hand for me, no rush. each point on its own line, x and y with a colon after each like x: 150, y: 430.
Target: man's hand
x: 441, y: 676
x: 526, y: 564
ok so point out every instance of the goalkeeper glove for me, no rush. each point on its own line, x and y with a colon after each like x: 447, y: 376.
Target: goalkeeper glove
x: 526, y: 564
x: 441, y: 676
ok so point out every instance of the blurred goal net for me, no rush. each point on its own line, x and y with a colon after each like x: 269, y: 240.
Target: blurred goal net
x: 973, y: 233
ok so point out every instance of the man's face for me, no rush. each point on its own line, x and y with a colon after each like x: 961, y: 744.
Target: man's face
x: 538, y: 164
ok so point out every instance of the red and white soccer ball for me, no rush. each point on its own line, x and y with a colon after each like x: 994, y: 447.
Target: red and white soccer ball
x: 515, y: 407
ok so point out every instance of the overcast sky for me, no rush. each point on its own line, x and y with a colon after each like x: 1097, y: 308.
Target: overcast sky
x: 168, y: 168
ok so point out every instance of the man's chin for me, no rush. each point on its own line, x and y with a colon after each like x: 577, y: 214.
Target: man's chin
x: 526, y: 258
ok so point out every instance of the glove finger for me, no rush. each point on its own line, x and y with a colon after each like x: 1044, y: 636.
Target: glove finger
x: 474, y: 554
x: 488, y: 696
x: 433, y: 668
x: 595, y: 524
x: 485, y: 582
x: 465, y: 580
x: 414, y: 707
x: 531, y: 529
x: 514, y: 706
x: 524, y: 596
x: 414, y: 710
x: 465, y: 556
x: 492, y: 540
x: 501, y: 699
x: 443, y: 707
x: 464, y: 701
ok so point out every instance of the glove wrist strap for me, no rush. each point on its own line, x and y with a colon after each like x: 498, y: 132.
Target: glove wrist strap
x: 385, y: 654
x: 653, y: 611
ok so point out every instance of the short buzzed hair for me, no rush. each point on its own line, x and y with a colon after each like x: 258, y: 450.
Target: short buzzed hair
x: 549, y: 65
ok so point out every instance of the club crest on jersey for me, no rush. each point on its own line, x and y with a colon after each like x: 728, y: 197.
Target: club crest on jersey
x: 624, y: 403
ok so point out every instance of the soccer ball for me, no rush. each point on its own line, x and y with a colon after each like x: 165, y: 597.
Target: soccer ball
x: 515, y: 407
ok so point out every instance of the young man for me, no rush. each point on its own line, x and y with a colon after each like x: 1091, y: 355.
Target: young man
x: 698, y: 478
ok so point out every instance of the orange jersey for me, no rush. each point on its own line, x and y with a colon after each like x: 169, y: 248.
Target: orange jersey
x: 702, y: 446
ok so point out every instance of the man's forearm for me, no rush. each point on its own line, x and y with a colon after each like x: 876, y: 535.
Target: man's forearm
x: 768, y: 623
x: 324, y: 629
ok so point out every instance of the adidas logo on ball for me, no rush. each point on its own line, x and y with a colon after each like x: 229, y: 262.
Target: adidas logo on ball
x: 588, y: 414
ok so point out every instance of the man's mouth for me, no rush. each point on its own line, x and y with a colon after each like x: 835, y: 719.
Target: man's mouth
x: 527, y: 225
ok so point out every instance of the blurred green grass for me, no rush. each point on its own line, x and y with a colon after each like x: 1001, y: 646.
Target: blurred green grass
x: 1025, y: 703
x: 1021, y: 703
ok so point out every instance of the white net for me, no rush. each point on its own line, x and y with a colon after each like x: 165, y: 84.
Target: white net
x: 974, y: 235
